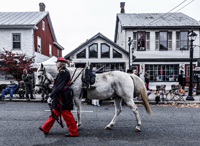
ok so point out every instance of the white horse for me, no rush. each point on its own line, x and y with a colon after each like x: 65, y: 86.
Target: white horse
x: 115, y: 84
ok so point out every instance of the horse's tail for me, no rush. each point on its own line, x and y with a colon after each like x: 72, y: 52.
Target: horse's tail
x: 140, y: 87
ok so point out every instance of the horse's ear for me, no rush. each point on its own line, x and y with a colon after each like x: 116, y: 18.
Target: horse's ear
x: 42, y: 65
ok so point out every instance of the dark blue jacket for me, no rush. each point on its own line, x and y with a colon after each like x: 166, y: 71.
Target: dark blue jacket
x: 60, y: 82
x: 11, y: 87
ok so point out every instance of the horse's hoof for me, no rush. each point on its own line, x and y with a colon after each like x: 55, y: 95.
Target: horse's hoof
x: 137, y: 130
x: 107, y: 128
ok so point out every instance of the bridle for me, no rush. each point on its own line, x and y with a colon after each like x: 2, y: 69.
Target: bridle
x: 43, y: 77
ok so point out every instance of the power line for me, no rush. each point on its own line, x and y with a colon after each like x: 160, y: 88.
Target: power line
x: 167, y: 12
x: 180, y: 8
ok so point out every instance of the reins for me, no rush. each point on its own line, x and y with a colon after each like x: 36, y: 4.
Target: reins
x: 76, y: 76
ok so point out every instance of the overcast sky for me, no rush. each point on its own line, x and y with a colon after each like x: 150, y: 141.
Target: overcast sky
x: 75, y: 21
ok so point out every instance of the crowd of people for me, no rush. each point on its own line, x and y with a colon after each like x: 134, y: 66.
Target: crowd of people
x: 25, y: 87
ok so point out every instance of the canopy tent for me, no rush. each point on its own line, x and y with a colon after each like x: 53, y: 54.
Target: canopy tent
x: 50, y: 62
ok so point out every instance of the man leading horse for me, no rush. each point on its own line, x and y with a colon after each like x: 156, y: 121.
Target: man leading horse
x: 61, y: 98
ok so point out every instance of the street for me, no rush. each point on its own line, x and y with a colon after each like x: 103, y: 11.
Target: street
x: 168, y: 125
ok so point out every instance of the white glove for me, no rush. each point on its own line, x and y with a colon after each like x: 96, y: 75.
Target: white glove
x: 49, y: 100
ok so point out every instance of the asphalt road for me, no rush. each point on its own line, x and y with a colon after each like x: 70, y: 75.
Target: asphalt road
x: 169, y: 125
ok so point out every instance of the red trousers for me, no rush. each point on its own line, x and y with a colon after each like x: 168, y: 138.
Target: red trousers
x: 69, y: 119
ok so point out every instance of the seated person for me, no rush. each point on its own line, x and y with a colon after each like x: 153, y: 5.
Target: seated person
x: 21, y: 90
x: 9, y: 89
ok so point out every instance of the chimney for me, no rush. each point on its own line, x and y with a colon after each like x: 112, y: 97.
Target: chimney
x: 122, y: 4
x: 42, y: 6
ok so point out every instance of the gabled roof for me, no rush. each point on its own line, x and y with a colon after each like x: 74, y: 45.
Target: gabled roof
x: 26, y: 20
x: 99, y: 35
x: 155, y: 20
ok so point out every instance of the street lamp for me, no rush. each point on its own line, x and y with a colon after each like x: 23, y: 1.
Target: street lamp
x: 129, y: 45
x: 191, y: 36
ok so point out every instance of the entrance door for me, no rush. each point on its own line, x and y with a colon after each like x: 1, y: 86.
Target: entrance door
x: 187, y: 73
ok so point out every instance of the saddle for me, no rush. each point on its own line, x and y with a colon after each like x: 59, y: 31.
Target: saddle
x: 88, y: 78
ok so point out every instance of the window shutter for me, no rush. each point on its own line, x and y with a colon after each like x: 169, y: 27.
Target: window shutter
x: 169, y: 40
x: 135, y: 40
x: 177, y: 40
x: 147, y: 41
x: 157, y: 40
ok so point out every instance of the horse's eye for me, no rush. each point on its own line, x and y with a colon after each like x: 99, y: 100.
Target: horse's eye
x: 39, y: 76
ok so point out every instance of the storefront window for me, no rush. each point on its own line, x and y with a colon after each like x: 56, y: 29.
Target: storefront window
x: 163, y: 73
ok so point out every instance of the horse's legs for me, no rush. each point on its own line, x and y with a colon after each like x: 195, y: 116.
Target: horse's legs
x: 118, y: 109
x: 134, y: 108
x: 77, y: 102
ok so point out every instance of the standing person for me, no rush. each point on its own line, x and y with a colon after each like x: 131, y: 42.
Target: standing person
x: 181, y: 80
x: 147, y: 78
x: 9, y: 89
x: 62, y: 103
x: 27, y: 78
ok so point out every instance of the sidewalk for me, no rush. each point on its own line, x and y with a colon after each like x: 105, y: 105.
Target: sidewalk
x: 151, y: 100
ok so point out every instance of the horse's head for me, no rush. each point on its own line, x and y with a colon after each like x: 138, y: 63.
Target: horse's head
x: 43, y: 78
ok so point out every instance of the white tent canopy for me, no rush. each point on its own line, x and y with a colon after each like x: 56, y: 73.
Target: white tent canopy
x: 50, y: 62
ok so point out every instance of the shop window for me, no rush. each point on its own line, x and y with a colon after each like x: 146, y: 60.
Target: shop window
x: 163, y: 73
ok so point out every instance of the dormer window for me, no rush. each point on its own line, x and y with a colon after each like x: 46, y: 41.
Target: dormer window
x: 105, y: 51
x: 116, y: 54
x: 93, y: 51
x: 82, y: 54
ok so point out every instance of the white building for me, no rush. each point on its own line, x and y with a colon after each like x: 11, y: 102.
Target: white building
x: 159, y: 43
x: 99, y: 51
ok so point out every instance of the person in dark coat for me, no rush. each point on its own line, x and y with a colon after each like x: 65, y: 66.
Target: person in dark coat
x: 147, y: 78
x: 27, y: 78
x: 62, y: 103
x: 181, y: 80
x: 21, y: 89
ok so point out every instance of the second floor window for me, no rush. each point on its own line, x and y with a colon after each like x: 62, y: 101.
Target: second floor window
x: 50, y: 50
x: 105, y: 51
x: 163, y: 41
x: 16, y: 41
x: 116, y: 54
x: 93, y: 51
x: 141, y: 39
x: 82, y: 54
x: 182, y: 40
x: 39, y: 48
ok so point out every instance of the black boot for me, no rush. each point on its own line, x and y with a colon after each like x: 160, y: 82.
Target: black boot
x: 27, y: 97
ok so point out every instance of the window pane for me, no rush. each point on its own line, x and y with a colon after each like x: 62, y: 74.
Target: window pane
x: 16, y: 45
x: 16, y: 38
x: 116, y: 54
x: 81, y: 54
x: 183, y: 40
x: 105, y: 51
x: 163, y: 40
x: 162, y: 73
x: 93, y: 50
x: 141, y: 41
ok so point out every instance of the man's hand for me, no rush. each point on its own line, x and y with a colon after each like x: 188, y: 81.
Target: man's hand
x: 49, y: 100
